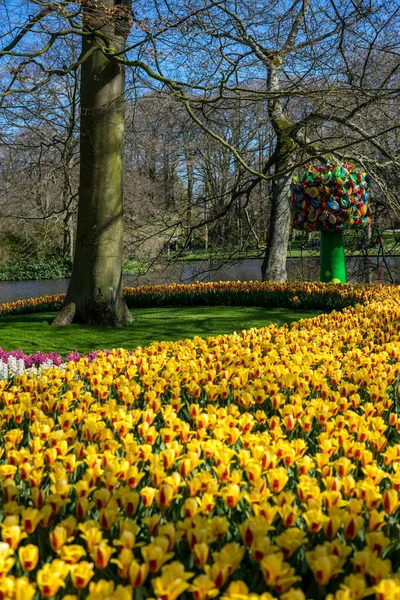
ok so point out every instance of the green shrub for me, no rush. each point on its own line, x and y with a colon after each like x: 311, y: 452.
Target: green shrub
x: 52, y: 267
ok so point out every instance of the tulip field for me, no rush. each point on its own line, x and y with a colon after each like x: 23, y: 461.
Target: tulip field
x: 257, y: 465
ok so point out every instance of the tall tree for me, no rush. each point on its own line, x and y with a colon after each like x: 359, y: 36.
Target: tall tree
x: 95, y: 293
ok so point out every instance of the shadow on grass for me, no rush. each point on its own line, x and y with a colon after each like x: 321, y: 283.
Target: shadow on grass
x: 33, y: 332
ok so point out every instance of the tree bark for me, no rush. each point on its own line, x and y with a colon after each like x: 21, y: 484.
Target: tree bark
x: 95, y: 294
x: 274, y: 264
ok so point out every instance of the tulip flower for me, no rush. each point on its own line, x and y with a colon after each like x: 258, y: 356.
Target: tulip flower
x: 81, y: 574
x: 290, y: 540
x: 72, y: 553
x: 152, y: 523
x: 28, y: 556
x: 218, y: 573
x: 51, y: 577
x: 231, y: 495
x: 155, y: 555
x: 252, y: 528
x: 352, y: 526
x: 387, y: 589
x: 172, y: 582
x: 315, y: 520
x: 238, y: 590
x: 377, y: 541
x: 390, y: 501
x: 323, y: 567
x: 58, y: 537
x: 23, y: 589
x: 277, y: 479
x: 201, y: 553
x: 376, y: 520
x: 107, y: 589
x: 148, y: 495
x: 277, y: 573
x: 293, y: 594
x: 91, y: 533
x: 12, y: 535
x: 203, y: 588
x: 31, y: 518
x: 101, y: 554
x: 231, y: 554
x: 137, y: 573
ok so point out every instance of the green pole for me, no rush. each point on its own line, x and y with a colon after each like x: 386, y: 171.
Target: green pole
x: 333, y: 262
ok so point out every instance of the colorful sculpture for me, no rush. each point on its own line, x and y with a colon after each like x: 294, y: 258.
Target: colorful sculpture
x: 331, y: 199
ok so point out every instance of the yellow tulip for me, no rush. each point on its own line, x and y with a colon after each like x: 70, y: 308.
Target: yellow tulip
x: 168, y: 531
x: 231, y: 495
x: 376, y: 520
x: 377, y: 541
x: 152, y: 523
x: 352, y: 525
x: 218, y: 527
x: 323, y: 566
x: 23, y: 589
x: 83, y: 506
x: 231, y: 554
x: 108, y: 515
x: 203, y: 588
x: 148, y: 495
x: 81, y: 574
x: 201, y: 553
x: 123, y: 562
x: 262, y: 547
x: 101, y: 554
x: 253, y: 527
x: 155, y: 555
x: 289, y: 514
x: 58, y: 537
x: 12, y: 535
x: 31, y: 518
x: 28, y: 556
x: 387, y: 589
x: 218, y: 573
x: 107, y: 589
x: 206, y: 503
x: 137, y: 573
x: 334, y: 522
x: 190, y: 507
x: 91, y: 533
x: 238, y: 590
x: 6, y: 560
x: 277, y: 479
x: 71, y: 554
x: 378, y: 569
x: 277, y: 573
x: 290, y: 540
x: 293, y: 594
x: 102, y: 497
x: 172, y: 582
x: 315, y: 520
x: 51, y: 577
x: 390, y: 501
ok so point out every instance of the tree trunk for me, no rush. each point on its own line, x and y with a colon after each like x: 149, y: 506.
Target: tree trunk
x: 367, y: 264
x: 95, y: 294
x: 274, y: 263
x: 68, y: 237
x: 189, y: 188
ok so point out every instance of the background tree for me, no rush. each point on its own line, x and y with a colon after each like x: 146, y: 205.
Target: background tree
x: 314, y: 64
x: 312, y: 67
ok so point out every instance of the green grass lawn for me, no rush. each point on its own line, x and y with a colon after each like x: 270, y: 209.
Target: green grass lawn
x: 33, y: 332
